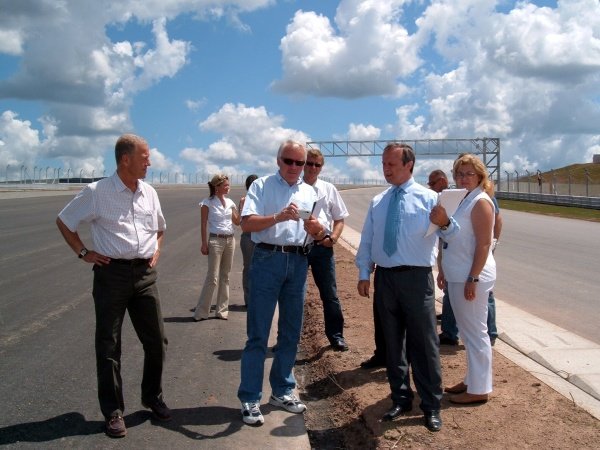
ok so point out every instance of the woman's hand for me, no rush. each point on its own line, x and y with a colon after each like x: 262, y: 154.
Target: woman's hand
x: 469, y: 292
x: 438, y: 216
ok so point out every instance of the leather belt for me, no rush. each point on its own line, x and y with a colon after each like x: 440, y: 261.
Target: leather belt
x: 285, y: 248
x: 401, y: 268
x: 130, y: 262
x: 224, y: 236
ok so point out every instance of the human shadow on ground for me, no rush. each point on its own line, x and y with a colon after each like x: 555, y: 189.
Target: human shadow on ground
x: 65, y: 425
x: 75, y: 424
x: 235, y: 355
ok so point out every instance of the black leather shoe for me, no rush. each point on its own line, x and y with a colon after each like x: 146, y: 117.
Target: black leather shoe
x: 397, y: 410
x: 339, y: 344
x: 372, y: 363
x: 433, y: 421
x: 445, y: 340
x: 159, y: 409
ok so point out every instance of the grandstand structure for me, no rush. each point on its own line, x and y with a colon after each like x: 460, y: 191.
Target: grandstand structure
x: 488, y: 149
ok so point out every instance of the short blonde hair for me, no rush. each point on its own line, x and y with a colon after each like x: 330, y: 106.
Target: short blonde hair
x: 484, y: 181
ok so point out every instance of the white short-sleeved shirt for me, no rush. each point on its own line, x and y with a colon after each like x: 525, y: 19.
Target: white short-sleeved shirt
x: 123, y: 224
x: 270, y: 194
x: 331, y: 204
x: 219, y: 216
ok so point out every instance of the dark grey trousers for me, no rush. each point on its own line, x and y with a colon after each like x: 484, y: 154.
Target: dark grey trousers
x: 117, y: 288
x: 406, y: 306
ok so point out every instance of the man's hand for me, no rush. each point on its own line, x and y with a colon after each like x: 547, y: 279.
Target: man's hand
x: 290, y: 212
x: 441, y: 280
x: 363, y: 288
x: 154, y: 259
x: 96, y: 258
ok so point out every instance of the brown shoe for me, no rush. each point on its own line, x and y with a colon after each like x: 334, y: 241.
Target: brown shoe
x: 468, y: 399
x: 115, y: 427
x: 456, y: 389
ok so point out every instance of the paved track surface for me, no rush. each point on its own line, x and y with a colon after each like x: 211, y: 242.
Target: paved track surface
x: 47, y: 364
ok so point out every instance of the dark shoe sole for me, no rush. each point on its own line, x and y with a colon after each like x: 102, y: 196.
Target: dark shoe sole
x: 116, y: 435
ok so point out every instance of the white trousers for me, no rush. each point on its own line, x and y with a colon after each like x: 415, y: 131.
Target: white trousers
x: 471, y: 319
x: 220, y: 259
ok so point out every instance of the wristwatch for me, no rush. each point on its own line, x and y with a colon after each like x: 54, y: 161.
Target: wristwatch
x: 333, y: 241
x: 84, y: 251
x: 445, y: 227
x: 471, y: 279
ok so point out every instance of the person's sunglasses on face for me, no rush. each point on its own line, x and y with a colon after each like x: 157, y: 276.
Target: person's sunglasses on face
x: 290, y: 162
x: 313, y: 164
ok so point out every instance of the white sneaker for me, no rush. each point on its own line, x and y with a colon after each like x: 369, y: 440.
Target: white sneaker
x: 288, y: 402
x: 251, y: 414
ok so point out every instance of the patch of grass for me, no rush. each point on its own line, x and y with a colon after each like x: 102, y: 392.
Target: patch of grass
x: 552, y: 210
x: 578, y: 173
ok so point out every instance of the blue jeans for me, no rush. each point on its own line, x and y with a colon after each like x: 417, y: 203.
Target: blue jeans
x: 277, y: 278
x: 449, y: 328
x: 322, y: 262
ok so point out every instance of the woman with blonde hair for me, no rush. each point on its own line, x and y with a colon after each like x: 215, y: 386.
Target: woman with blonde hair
x: 469, y: 272
x: 218, y: 214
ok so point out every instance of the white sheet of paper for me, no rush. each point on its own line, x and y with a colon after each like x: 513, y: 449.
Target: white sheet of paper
x: 449, y: 199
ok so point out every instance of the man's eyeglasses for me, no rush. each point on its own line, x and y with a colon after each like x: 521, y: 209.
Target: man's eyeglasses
x: 291, y: 162
x: 313, y: 164
x: 465, y: 174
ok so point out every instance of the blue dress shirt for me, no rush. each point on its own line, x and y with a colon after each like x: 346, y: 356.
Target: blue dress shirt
x: 413, y: 248
x: 269, y: 195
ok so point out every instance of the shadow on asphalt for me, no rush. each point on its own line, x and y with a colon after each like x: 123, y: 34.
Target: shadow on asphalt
x: 75, y: 424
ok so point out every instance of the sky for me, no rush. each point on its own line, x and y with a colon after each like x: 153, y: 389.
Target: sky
x: 217, y: 85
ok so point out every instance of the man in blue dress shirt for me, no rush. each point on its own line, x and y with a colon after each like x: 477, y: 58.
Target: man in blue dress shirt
x: 272, y: 213
x: 403, y: 283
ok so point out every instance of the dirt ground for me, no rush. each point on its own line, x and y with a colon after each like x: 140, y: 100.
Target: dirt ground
x: 345, y: 403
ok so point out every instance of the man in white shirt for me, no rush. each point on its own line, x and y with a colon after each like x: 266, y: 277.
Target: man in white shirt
x: 127, y: 227
x: 321, y: 258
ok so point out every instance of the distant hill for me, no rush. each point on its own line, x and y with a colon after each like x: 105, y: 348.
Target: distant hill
x: 577, y: 172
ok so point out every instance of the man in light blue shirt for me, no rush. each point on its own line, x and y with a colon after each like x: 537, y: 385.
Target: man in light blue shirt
x: 277, y: 211
x: 403, y: 284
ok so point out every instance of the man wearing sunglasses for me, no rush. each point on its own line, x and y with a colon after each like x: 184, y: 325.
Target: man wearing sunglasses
x: 438, y: 181
x: 272, y: 213
x: 321, y: 258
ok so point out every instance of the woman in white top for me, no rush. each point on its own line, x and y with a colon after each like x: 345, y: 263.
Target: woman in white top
x: 469, y: 272
x: 218, y: 214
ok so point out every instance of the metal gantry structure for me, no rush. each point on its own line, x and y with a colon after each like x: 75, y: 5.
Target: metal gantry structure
x: 488, y: 149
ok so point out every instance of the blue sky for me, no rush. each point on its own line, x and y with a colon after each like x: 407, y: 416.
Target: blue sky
x: 216, y: 85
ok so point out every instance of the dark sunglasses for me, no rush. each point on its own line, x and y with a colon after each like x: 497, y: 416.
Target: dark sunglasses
x: 312, y: 164
x: 290, y: 162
